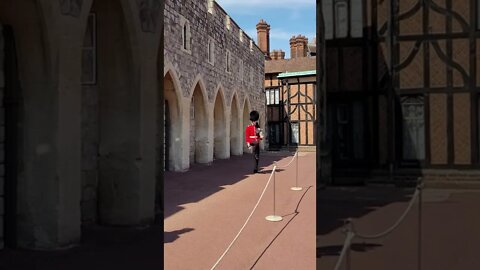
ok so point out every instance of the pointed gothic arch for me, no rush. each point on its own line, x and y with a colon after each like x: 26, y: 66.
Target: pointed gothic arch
x: 235, y: 127
x: 220, y: 148
x: 198, y: 122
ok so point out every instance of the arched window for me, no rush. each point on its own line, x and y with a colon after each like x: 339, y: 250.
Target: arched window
x: 228, y: 62
x: 211, y: 51
x: 186, y: 35
x: 240, y: 69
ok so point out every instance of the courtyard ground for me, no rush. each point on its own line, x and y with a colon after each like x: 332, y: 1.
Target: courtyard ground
x: 207, y: 206
x: 450, y: 228
x: 204, y: 209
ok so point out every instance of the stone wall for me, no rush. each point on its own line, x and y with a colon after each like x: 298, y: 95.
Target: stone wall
x: 90, y: 142
x: 204, y: 25
x: 192, y: 67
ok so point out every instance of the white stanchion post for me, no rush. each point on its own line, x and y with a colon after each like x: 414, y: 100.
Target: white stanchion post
x: 296, y: 187
x: 274, y: 217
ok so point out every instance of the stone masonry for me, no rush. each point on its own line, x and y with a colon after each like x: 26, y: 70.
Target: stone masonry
x: 245, y: 80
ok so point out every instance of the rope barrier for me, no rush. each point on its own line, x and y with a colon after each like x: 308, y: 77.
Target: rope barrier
x: 248, y: 219
x: 293, y: 158
x: 352, y: 233
x: 394, y: 226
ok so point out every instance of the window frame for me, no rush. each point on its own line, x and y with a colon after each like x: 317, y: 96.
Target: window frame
x: 186, y: 31
x: 228, y: 62
x: 417, y: 160
x: 211, y: 51
x: 352, y: 19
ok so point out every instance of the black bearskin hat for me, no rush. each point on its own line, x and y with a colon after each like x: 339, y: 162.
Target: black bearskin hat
x: 254, y: 115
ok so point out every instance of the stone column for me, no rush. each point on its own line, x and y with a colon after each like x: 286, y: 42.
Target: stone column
x: 2, y: 137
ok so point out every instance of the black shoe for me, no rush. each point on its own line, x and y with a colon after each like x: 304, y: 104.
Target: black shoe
x: 255, y: 171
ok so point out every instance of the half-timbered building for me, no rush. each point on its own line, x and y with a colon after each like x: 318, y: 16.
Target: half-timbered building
x: 402, y: 89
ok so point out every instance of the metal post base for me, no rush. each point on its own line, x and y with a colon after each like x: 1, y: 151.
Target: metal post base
x: 296, y: 188
x: 273, y: 218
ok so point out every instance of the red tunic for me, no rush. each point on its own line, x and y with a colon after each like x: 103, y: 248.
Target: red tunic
x: 250, y: 135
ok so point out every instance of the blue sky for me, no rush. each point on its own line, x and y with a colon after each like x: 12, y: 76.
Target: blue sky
x: 286, y: 18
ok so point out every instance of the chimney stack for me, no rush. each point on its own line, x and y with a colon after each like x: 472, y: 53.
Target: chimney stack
x: 263, y: 37
x: 298, y: 46
x: 293, y: 47
x: 277, y: 55
x: 302, y: 46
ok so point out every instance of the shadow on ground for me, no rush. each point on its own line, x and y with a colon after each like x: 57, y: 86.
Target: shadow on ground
x: 169, y: 237
x: 337, y: 249
x: 336, y: 204
x: 202, y: 181
x: 295, y: 213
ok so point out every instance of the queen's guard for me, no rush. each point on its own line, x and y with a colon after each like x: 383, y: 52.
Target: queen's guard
x: 253, y: 136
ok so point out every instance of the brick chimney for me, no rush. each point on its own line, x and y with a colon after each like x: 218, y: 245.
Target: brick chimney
x: 293, y: 47
x: 298, y: 46
x: 302, y: 43
x: 277, y: 55
x: 263, y: 37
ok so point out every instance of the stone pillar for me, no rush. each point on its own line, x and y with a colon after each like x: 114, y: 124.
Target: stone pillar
x: 2, y: 138
x: 263, y: 37
x: 47, y: 146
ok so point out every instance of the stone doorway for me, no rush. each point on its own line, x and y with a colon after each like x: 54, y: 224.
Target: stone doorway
x: 199, y: 127
x: 110, y: 117
x: 173, y: 147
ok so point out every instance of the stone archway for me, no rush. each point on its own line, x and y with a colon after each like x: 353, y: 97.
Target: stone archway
x: 220, y: 149
x: 110, y: 118
x: 245, y: 123
x: 198, y: 126
x: 25, y: 69
x: 173, y: 128
x: 9, y: 111
x: 235, y: 129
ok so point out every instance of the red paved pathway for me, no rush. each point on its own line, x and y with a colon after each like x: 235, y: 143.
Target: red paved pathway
x: 206, y: 207
x: 450, y: 229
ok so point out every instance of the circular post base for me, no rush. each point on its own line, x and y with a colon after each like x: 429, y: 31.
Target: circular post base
x: 273, y: 218
x: 296, y: 188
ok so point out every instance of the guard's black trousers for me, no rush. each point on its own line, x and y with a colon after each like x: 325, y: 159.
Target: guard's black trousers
x: 256, y: 155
